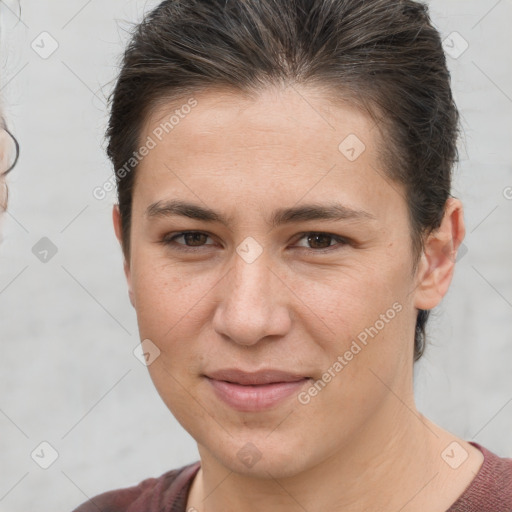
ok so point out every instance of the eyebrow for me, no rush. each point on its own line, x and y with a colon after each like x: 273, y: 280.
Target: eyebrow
x: 331, y: 211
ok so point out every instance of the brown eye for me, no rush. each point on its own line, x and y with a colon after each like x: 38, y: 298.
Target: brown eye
x: 321, y: 241
x: 192, y: 239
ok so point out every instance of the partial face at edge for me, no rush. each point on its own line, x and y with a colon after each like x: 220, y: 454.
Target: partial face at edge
x: 4, y: 165
x: 251, y: 295
x: 8, y: 154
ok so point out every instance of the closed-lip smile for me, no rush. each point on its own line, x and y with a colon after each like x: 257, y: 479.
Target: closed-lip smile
x: 254, y: 391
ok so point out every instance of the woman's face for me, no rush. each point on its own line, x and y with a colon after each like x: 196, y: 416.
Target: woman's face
x: 301, y: 264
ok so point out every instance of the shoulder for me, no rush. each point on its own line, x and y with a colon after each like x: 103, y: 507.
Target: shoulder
x: 491, y: 489
x: 152, y: 494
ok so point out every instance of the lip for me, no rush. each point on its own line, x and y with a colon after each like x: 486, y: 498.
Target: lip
x: 254, y: 391
x: 260, y: 377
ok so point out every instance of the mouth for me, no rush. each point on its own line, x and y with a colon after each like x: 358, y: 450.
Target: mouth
x: 255, y: 391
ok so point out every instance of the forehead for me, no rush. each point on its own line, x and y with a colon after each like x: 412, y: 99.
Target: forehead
x: 279, y: 141
x: 273, y: 112
x: 293, y: 125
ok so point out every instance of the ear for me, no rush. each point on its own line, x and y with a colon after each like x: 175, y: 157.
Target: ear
x: 437, y: 263
x: 118, y: 228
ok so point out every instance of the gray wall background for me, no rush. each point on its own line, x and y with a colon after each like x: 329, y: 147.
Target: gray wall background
x: 67, y: 372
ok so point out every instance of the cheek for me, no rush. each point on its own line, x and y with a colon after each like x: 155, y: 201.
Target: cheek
x: 365, y: 334
x: 346, y: 301
x: 167, y: 307
x: 372, y: 341
x: 172, y: 308
x: 162, y: 293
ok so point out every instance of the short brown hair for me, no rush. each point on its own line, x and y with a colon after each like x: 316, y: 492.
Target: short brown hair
x: 384, y: 54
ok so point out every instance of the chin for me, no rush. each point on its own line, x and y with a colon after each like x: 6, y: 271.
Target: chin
x: 256, y: 455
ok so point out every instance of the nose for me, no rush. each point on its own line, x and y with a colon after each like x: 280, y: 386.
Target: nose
x: 253, y: 302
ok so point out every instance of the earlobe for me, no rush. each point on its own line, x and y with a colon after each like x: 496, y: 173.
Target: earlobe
x: 437, y: 262
x: 127, y: 273
x: 116, y: 218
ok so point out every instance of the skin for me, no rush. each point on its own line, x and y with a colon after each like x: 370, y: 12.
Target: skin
x: 7, y: 160
x: 4, y: 164
x: 360, y: 443
x: 3, y: 194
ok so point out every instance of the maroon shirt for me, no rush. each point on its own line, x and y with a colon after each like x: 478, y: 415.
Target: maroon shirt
x: 489, y: 491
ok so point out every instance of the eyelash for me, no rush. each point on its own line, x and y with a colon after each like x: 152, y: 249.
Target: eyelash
x: 169, y: 240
